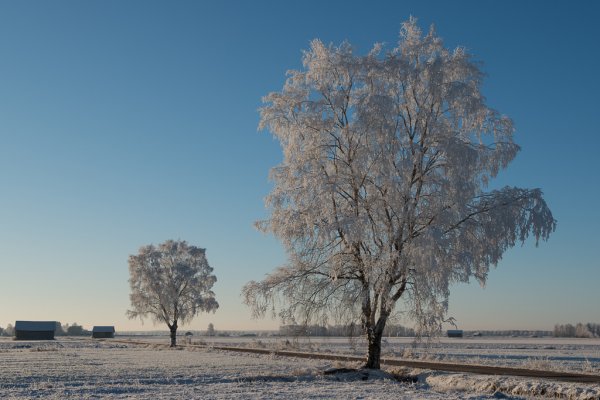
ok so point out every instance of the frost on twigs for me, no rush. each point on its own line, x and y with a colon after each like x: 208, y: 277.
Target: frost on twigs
x: 381, y: 194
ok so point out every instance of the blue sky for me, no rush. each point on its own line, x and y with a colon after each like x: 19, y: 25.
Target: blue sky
x: 128, y: 123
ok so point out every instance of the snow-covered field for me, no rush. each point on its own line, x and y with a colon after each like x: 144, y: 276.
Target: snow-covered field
x: 547, y: 353
x: 80, y: 369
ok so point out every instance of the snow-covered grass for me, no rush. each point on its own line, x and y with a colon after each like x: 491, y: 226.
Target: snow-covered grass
x: 81, y: 369
x: 554, y: 354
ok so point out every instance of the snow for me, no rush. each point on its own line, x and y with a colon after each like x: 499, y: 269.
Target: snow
x: 512, y: 386
x: 547, y: 353
x: 68, y: 368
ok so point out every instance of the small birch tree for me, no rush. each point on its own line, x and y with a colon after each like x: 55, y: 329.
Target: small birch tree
x: 170, y: 283
x: 210, y: 331
x: 381, y: 193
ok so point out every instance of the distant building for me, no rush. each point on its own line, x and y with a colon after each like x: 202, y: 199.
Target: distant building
x: 35, y: 330
x: 455, y: 333
x: 103, y: 332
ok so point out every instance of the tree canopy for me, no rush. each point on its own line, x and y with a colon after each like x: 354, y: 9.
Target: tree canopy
x: 381, y: 194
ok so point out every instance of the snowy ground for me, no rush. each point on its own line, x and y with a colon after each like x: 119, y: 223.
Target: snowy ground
x: 558, y: 354
x: 107, y: 369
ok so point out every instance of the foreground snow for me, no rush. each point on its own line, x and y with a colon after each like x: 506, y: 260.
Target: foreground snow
x: 88, y: 369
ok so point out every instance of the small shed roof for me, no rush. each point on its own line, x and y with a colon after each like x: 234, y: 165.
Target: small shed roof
x: 35, y: 326
x: 104, y: 328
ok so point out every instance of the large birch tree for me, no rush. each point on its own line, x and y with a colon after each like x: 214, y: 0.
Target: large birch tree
x: 381, y: 194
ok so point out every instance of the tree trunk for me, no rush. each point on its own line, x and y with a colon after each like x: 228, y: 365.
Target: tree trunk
x: 374, y: 357
x: 173, y: 329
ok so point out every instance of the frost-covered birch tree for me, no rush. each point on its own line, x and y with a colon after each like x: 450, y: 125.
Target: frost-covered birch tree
x: 170, y: 283
x: 383, y: 190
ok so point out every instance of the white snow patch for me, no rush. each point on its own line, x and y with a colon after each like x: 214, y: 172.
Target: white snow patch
x: 510, y: 386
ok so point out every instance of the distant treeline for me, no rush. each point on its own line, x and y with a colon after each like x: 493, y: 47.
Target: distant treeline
x: 341, y: 330
x: 580, y: 330
x: 71, y: 330
x: 402, y: 331
x: 511, y: 332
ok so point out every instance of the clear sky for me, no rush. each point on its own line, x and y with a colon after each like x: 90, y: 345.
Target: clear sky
x: 124, y: 123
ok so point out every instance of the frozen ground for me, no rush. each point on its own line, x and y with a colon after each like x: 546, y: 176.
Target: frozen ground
x: 81, y: 369
x: 559, y: 354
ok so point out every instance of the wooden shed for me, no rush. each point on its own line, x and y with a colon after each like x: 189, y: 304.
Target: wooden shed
x: 103, y: 332
x: 455, y: 333
x: 35, y: 330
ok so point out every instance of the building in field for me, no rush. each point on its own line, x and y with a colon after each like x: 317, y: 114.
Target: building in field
x: 103, y: 332
x: 455, y: 333
x: 35, y: 330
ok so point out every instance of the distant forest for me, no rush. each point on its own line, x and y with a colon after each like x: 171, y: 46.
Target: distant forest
x: 510, y: 332
x: 341, y: 330
x: 393, y: 331
x: 580, y: 330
